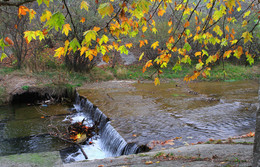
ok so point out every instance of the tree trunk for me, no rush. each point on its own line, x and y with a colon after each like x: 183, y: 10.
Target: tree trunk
x: 256, y: 152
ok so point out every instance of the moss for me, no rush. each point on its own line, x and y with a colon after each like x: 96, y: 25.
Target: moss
x: 31, y: 159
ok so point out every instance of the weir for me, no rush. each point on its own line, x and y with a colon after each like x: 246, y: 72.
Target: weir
x: 110, y: 140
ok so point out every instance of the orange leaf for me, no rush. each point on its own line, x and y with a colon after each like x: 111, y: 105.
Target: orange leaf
x: 9, y: 41
x: 186, y: 24
x: 141, y: 43
x: 156, y: 81
x: 148, y: 162
x: 129, y: 45
x: 170, y: 22
x: 15, y: 26
x: 44, y: 31
x: 82, y: 20
x: 106, y: 58
x: 161, y: 12
x: 227, y: 28
x: 22, y: 11
x: 96, y: 28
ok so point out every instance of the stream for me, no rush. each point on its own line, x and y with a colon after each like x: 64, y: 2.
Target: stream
x: 140, y: 113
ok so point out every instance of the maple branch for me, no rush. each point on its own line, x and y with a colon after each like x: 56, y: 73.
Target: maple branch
x: 71, y: 20
x: 17, y: 4
x: 155, y: 11
x: 185, y: 28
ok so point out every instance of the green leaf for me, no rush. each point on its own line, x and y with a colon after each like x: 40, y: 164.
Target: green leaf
x: 104, y: 39
x: 90, y: 35
x: 218, y: 30
x: 177, y: 67
x: 123, y: 49
x: 247, y: 36
x: 74, y: 45
x: 56, y: 21
x: 29, y: 35
x: 2, y: 44
x: 3, y: 56
x: 186, y: 59
x: 105, y: 9
x: 187, y: 46
x: 39, y: 2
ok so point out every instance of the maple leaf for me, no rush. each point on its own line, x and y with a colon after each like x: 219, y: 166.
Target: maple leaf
x: 84, y: 5
x: 156, y: 81
x: 170, y: 23
x: 246, y: 14
x: 3, y: 55
x: 144, y: 28
x: 186, y: 24
x: 96, y: 29
x: 82, y: 20
x: 2, y: 44
x: 247, y: 36
x: 155, y: 44
x: 104, y: 39
x: 29, y: 35
x: 22, y: 11
x: 197, y: 54
x: 105, y: 9
x: 59, y: 52
x: 161, y: 12
x: 227, y: 54
x: 66, y: 29
x: 90, y: 35
x: 46, y: 16
x: 9, y: 41
x: 129, y: 45
x: 106, y: 58
x: 56, y: 21
x: 31, y: 14
x: 74, y: 45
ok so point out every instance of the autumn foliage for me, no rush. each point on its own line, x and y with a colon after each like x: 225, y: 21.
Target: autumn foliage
x: 204, y: 30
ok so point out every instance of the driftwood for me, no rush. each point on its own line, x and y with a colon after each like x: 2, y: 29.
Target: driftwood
x: 76, y: 133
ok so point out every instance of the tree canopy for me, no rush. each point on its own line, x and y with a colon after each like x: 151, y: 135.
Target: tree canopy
x: 182, y: 30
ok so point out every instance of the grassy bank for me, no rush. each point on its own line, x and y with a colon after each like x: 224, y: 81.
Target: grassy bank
x: 133, y: 72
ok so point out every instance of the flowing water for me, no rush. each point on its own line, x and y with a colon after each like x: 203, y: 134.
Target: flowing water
x: 140, y: 113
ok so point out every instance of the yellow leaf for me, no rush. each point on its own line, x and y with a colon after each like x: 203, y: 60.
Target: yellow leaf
x: 83, y: 50
x: 46, y: 16
x: 59, y: 52
x: 84, y: 5
x: 66, y: 45
x: 82, y: 20
x: 161, y: 12
x: 129, y: 45
x: 227, y: 54
x: 66, y: 29
x: 156, y: 81
x: 141, y: 56
x: 155, y: 44
x: 106, y: 58
x: 170, y: 23
x: 197, y: 54
x: 96, y: 29
x: 246, y: 14
x: 244, y: 23
x: 171, y: 39
x: 144, y: 28
x: 247, y: 36
x: 31, y: 14
x: 170, y: 30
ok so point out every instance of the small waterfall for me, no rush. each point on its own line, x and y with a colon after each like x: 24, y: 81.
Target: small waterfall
x: 111, y: 140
